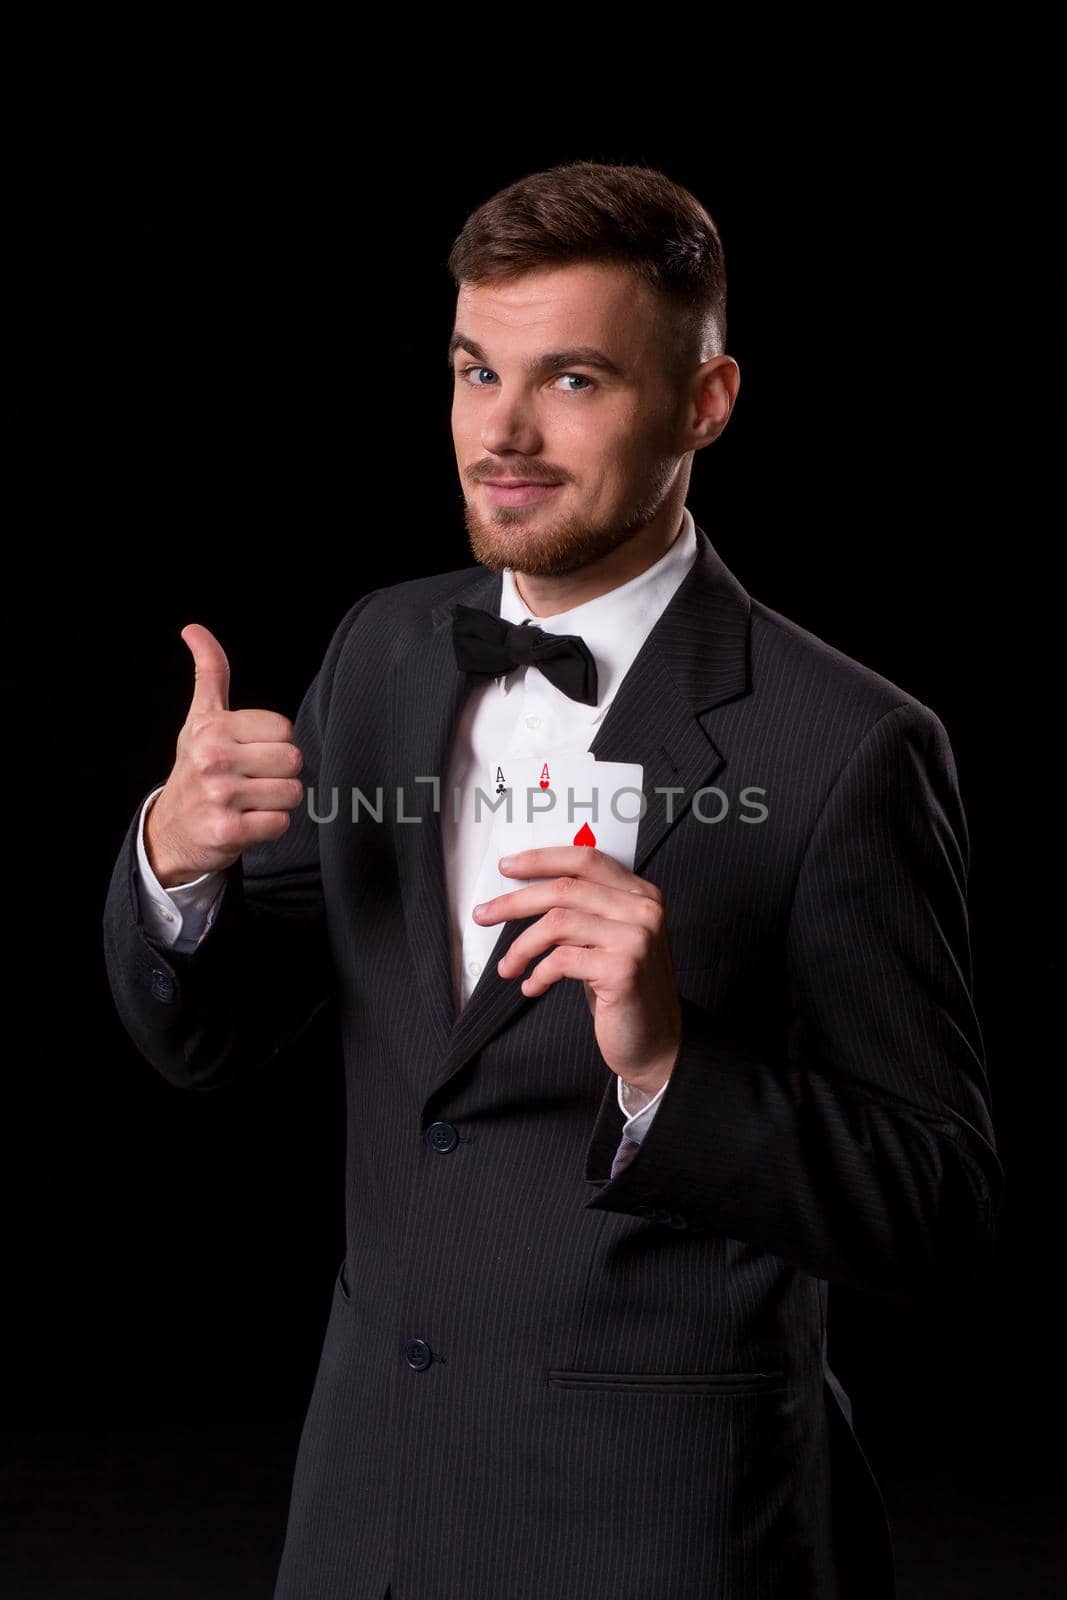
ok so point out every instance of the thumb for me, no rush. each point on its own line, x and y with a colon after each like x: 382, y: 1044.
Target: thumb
x: 211, y: 691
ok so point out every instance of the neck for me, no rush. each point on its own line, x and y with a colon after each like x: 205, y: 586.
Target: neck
x: 546, y: 596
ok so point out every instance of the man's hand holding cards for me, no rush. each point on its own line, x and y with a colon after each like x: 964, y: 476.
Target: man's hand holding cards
x: 569, y: 848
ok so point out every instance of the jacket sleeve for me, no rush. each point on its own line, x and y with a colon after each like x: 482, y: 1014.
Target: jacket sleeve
x: 264, y: 968
x: 864, y: 1151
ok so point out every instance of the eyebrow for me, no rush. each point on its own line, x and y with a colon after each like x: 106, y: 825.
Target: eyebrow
x: 579, y: 355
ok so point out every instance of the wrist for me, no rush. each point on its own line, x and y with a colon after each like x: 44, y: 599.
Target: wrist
x: 168, y: 871
x: 648, y: 1083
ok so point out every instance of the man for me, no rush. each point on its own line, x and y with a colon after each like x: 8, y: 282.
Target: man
x: 611, y: 1133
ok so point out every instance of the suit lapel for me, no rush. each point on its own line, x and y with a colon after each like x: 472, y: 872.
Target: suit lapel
x: 696, y: 657
x: 428, y: 695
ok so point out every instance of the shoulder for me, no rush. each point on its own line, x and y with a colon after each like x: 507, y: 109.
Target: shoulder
x: 396, y: 612
x: 832, y: 697
x: 848, y: 731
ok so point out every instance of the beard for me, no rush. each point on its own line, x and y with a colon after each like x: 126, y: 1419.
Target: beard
x: 533, y: 541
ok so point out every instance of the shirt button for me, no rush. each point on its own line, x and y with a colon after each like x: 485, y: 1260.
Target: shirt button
x: 474, y: 967
x: 533, y: 722
x: 162, y: 986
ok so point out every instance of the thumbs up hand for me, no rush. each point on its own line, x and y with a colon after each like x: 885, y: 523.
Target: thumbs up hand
x: 234, y: 778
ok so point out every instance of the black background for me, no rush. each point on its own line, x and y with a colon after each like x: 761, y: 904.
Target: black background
x: 228, y: 339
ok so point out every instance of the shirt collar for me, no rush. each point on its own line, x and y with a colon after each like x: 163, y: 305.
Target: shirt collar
x: 614, y: 625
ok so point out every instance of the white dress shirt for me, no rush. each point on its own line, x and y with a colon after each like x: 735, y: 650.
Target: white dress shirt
x: 519, y: 714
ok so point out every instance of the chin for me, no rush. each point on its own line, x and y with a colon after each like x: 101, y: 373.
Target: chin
x: 514, y: 538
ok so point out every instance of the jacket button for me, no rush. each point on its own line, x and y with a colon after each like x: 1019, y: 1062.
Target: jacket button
x: 677, y: 1221
x: 417, y: 1354
x: 162, y: 985
x: 441, y: 1136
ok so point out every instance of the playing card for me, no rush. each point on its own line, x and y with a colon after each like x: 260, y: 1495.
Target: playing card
x: 596, y: 803
x: 536, y: 772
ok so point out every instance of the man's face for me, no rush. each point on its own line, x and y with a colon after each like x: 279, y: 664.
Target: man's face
x: 531, y: 405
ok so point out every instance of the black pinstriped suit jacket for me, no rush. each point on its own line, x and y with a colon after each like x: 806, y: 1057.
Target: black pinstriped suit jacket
x: 536, y: 1382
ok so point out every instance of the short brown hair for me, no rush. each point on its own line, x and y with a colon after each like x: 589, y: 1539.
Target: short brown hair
x: 596, y: 211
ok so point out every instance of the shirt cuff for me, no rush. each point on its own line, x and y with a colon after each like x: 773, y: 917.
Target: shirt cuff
x: 637, y: 1107
x: 177, y: 917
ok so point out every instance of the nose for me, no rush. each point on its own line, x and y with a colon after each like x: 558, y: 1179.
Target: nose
x: 510, y: 424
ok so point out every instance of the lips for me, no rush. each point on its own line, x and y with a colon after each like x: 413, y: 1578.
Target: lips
x: 519, y: 492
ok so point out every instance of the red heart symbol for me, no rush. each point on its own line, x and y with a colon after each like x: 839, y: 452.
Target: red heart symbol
x: 585, y: 835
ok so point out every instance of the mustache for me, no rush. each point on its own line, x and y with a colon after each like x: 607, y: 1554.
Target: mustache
x: 526, y: 475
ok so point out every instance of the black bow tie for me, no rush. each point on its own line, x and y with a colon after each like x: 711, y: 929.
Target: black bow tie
x: 486, y: 646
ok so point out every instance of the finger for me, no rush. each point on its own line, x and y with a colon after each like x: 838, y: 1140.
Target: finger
x: 263, y: 794
x: 568, y: 961
x: 271, y: 758
x: 260, y: 727
x: 263, y: 827
x: 211, y: 687
x: 572, y: 927
x: 619, y: 904
x: 580, y: 861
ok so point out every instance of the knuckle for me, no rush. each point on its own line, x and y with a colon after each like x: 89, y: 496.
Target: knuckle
x: 563, y: 885
x: 205, y: 756
x: 219, y: 792
x: 223, y: 830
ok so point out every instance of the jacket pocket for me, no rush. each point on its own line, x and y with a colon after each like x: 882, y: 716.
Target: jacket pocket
x: 671, y: 1382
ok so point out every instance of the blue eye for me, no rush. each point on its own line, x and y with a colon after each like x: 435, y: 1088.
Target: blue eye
x: 581, y: 378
